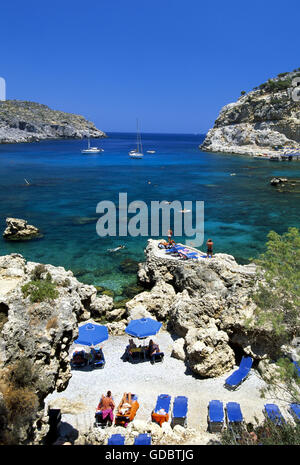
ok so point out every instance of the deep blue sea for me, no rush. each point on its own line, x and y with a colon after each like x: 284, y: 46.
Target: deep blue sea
x: 66, y: 186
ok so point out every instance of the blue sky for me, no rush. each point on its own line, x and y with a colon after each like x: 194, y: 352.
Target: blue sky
x: 173, y: 64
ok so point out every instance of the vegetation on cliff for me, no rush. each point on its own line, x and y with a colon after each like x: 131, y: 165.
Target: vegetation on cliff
x: 263, y: 119
x: 23, y: 121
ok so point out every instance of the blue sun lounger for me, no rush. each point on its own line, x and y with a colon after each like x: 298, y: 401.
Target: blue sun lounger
x: 215, y: 416
x: 233, y: 413
x: 186, y: 255
x: 297, y: 368
x: 175, y: 249
x: 142, y: 440
x: 98, y: 359
x: 116, y: 440
x: 179, y: 414
x: 162, y: 404
x: 238, y: 376
x: 272, y: 412
x: 295, y: 412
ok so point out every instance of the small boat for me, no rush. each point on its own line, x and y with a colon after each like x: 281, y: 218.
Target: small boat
x: 274, y: 158
x: 138, y: 152
x: 91, y: 149
x: 150, y: 151
x: 261, y: 156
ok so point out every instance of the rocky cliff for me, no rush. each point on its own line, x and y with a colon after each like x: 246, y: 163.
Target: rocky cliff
x: 22, y: 121
x: 40, y: 306
x: 265, y: 118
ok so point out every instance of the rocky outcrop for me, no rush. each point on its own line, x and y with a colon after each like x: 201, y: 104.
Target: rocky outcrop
x: 259, y: 121
x: 19, y: 230
x: 41, y: 330
x: 22, y: 121
x: 209, y: 307
x: 164, y: 435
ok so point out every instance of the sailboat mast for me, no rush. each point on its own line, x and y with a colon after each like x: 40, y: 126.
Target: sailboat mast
x: 137, y: 135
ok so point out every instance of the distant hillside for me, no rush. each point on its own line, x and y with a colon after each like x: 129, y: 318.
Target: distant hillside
x: 259, y: 121
x: 22, y: 121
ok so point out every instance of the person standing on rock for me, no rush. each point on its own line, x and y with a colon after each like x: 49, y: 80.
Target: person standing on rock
x: 209, y: 245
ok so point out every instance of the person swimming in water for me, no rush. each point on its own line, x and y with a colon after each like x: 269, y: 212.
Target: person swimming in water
x: 120, y: 247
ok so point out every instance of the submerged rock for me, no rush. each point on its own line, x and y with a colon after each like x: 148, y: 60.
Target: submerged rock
x: 19, y: 230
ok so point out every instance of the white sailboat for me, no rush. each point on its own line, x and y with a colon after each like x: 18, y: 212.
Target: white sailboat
x: 138, y: 152
x: 91, y: 149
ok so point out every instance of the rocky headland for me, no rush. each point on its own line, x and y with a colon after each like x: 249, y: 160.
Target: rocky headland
x: 259, y: 121
x: 23, y: 121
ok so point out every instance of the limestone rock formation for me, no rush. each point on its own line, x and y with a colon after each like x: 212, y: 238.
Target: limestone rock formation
x: 19, y: 230
x: 22, y: 121
x: 208, y: 352
x: 259, y: 121
x: 158, y: 301
x: 40, y: 331
x: 211, y: 310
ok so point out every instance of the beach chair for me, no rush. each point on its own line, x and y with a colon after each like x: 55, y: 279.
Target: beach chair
x: 175, y: 249
x: 98, y: 359
x: 238, y: 376
x: 215, y: 416
x: 234, y: 418
x: 297, y: 368
x: 142, y: 440
x: 294, y: 410
x: 79, y: 359
x: 158, y: 357
x: 272, y: 412
x: 116, y: 440
x: 160, y: 414
x: 126, y: 410
x: 188, y: 255
x: 179, y: 414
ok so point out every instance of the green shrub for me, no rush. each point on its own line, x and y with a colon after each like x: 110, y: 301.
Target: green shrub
x: 265, y: 434
x: 39, y: 291
x: 22, y: 374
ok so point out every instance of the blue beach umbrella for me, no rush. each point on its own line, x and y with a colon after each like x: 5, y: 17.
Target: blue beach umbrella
x: 143, y: 327
x: 91, y: 334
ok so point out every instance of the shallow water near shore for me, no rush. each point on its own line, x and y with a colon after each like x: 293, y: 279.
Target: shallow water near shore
x: 66, y: 186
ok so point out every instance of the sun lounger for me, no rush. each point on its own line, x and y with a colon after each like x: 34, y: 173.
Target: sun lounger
x: 272, y: 412
x: 79, y: 359
x: 127, y: 409
x: 179, y: 414
x: 158, y: 357
x: 161, y: 412
x: 215, y: 416
x: 175, y: 249
x: 98, y: 359
x: 238, y: 376
x: 233, y: 413
x: 295, y: 412
x: 188, y: 255
x: 116, y: 440
x: 297, y: 368
x: 142, y: 440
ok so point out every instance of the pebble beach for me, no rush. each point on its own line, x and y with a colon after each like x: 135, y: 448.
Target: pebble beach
x: 79, y: 401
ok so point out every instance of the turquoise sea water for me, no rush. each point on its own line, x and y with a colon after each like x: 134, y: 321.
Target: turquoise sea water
x: 66, y: 186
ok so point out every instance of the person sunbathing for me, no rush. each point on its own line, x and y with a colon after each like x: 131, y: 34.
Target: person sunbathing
x: 129, y: 348
x: 106, y: 406
x: 152, y: 350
